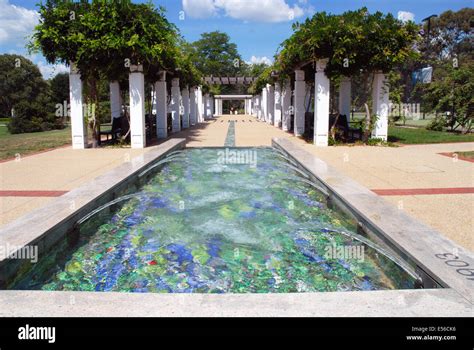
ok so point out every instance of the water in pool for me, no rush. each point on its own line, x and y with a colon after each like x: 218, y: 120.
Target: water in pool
x: 217, y: 221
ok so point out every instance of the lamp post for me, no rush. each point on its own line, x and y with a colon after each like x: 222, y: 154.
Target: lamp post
x: 428, y: 20
x: 453, y: 107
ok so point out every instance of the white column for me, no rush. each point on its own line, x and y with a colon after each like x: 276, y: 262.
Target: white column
x: 286, y: 106
x: 186, y: 106
x: 270, y: 104
x: 264, y: 104
x: 259, y: 107
x: 115, y: 99
x: 161, y: 95
x: 345, y: 98
x: 192, y: 106
x: 78, y: 127
x: 175, y: 110
x: 200, y: 108
x: 216, y: 106
x: 380, y: 98
x: 299, y: 109
x: 205, y: 102
x: 321, y: 104
x: 277, y: 105
x: 204, y: 107
x: 207, y: 106
x: 211, y: 106
x: 137, y: 107
x: 153, y: 100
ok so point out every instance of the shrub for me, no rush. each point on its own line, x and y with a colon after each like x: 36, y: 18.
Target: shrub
x: 375, y: 141
x: 34, y: 116
x: 395, y: 119
x: 437, y: 124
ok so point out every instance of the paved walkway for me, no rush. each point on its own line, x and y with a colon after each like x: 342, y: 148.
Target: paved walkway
x: 434, y: 188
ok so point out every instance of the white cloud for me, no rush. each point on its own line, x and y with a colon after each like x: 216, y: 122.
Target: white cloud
x: 259, y: 60
x: 199, y: 8
x: 406, y: 16
x: 16, y: 23
x: 246, y: 10
x: 49, y: 71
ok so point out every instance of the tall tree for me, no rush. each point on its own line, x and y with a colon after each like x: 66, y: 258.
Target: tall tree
x: 451, y: 34
x: 59, y: 85
x: 449, y: 49
x: 216, y: 55
x: 20, y: 80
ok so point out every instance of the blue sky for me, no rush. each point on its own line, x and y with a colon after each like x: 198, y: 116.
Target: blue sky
x: 256, y: 26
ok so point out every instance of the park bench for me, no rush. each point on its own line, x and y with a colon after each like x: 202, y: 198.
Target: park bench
x: 114, y: 132
x: 344, y: 128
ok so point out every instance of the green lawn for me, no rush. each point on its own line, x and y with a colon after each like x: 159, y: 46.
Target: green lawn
x: 419, y: 135
x: 31, y: 142
x: 410, y: 122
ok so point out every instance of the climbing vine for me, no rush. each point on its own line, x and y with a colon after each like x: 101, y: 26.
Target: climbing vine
x: 353, y: 41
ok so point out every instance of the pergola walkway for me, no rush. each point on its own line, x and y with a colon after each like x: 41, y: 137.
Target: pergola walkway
x: 436, y: 189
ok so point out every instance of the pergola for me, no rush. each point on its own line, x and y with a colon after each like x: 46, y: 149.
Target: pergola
x: 229, y: 80
x: 278, y: 102
x: 188, y: 106
x: 220, y: 98
x: 334, y: 48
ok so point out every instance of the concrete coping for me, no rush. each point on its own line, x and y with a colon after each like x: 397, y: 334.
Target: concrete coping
x: 443, y: 260
x: 382, y: 303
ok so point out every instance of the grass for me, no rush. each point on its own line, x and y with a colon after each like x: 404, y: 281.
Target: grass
x: 415, y: 123
x: 419, y: 135
x: 24, y: 144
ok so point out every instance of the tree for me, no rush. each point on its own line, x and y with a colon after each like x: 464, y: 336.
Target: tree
x: 451, y: 91
x: 215, y: 55
x: 450, y: 35
x: 60, y: 88
x: 449, y: 49
x: 35, y: 115
x: 20, y: 80
x: 25, y: 96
